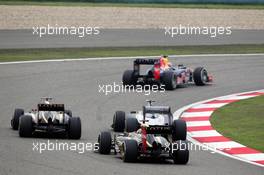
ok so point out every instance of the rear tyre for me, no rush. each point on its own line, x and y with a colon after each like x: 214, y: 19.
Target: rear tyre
x: 131, y: 125
x: 68, y: 112
x: 129, y: 78
x: 15, y: 119
x: 25, y: 126
x: 179, y: 130
x: 105, y: 142
x: 119, y: 121
x: 130, y: 151
x: 75, y: 128
x: 169, y: 79
x: 180, y: 153
x: 200, y: 76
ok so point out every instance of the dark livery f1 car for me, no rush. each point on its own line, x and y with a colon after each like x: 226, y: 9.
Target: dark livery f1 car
x: 48, y: 117
x: 171, y: 76
x: 153, y: 134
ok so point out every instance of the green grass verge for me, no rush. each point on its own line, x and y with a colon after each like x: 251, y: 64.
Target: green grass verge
x: 242, y: 121
x: 148, y: 5
x: 64, y: 53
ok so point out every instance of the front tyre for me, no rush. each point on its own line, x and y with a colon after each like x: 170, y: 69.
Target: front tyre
x: 119, y: 121
x: 75, y: 128
x: 200, y: 76
x: 131, y: 124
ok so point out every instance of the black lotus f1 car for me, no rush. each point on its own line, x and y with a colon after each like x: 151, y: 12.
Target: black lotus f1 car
x: 171, y: 77
x: 49, y: 118
x: 150, y: 114
x: 148, y: 139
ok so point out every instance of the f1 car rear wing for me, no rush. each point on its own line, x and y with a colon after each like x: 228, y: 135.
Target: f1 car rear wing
x: 156, y: 109
x: 51, y: 107
x: 158, y: 130
x: 146, y: 61
x: 139, y: 62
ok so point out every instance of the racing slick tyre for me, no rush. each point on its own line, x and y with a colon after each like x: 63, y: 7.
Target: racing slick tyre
x: 105, y: 142
x: 169, y: 79
x: 179, y: 130
x: 25, y: 126
x: 180, y: 152
x: 131, y: 124
x: 129, y: 78
x: 130, y: 151
x: 119, y: 121
x: 75, y: 128
x: 15, y: 119
x: 200, y: 76
x: 68, y: 112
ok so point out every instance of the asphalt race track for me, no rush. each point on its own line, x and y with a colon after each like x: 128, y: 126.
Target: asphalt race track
x: 124, y: 37
x: 76, y: 84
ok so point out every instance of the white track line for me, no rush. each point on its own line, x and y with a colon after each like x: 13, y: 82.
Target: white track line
x: 237, y: 97
x: 134, y: 57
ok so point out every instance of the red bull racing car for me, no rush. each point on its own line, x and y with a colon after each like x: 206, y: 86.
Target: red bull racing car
x: 162, y: 72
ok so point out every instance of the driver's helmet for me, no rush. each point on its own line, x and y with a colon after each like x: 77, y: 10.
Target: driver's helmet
x: 164, y: 61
